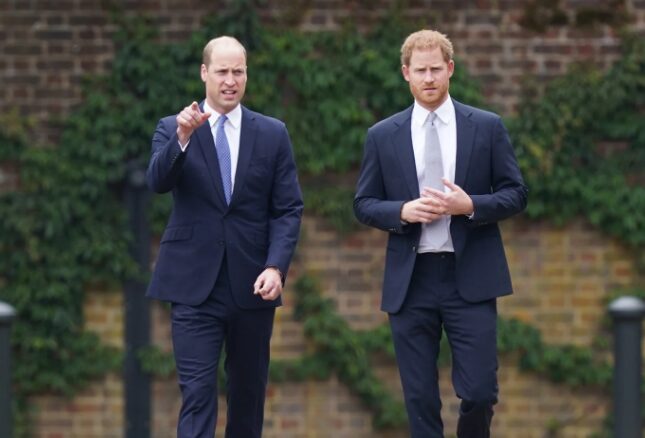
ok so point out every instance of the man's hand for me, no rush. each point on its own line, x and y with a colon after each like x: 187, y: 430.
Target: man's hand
x: 454, y: 203
x: 268, y: 285
x: 423, y: 210
x: 189, y: 119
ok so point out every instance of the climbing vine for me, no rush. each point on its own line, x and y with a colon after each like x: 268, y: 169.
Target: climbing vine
x: 581, y: 146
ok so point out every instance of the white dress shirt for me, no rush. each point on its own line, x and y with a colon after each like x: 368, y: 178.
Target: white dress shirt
x: 447, y: 131
x: 232, y: 128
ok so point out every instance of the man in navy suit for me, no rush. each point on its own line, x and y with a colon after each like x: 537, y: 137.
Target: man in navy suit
x: 228, y: 244
x: 438, y: 177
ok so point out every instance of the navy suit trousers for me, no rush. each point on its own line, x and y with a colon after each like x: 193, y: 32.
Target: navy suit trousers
x: 198, y: 333
x: 433, y: 303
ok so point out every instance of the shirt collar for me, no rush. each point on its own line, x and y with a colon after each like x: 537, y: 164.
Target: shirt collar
x: 234, y: 116
x: 444, y: 113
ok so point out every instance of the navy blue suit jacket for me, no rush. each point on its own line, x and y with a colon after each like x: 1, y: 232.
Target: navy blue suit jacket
x: 486, y: 169
x: 259, y: 228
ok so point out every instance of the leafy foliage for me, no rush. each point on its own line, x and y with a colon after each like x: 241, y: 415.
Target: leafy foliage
x: 581, y: 147
x: 13, y: 136
x: 333, y: 203
x: 54, y: 242
x: 338, y: 348
x: 329, y: 86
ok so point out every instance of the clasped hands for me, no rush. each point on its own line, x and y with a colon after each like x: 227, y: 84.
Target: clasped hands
x: 434, y: 204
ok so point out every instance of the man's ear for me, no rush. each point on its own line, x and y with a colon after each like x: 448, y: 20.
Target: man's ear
x: 405, y: 71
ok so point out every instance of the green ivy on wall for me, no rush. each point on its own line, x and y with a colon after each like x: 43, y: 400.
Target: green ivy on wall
x: 581, y: 147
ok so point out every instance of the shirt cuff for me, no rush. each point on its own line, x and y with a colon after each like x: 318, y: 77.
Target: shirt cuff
x: 183, y: 148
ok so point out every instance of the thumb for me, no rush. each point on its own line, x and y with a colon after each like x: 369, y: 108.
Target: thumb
x: 205, y: 116
x: 259, y: 282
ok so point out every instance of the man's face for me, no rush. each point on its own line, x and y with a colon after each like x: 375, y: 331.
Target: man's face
x: 225, y: 77
x: 429, y: 77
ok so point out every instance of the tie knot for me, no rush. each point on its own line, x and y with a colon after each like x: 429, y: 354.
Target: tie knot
x: 222, y: 119
x: 432, y: 117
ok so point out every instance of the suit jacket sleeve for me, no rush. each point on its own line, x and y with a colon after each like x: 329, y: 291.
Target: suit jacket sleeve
x: 508, y: 194
x: 371, y: 205
x: 167, y: 159
x: 286, y: 207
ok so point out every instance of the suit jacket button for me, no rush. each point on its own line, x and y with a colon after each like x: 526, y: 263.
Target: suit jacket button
x: 414, y: 249
x: 221, y: 243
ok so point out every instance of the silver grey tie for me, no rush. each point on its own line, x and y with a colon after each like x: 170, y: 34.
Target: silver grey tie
x: 436, y: 231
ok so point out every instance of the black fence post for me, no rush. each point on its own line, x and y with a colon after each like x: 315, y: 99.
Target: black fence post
x: 137, y: 309
x: 7, y: 314
x: 627, y: 313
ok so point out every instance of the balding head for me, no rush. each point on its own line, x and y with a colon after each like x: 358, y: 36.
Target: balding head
x: 227, y: 42
x: 224, y: 73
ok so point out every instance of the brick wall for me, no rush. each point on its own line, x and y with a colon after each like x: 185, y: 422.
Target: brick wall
x: 561, y: 275
x: 47, y: 46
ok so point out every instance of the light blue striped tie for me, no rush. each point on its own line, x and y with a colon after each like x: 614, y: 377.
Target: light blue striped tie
x: 224, y: 157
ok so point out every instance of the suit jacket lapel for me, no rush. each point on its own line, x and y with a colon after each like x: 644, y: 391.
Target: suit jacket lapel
x: 403, y: 150
x: 207, y: 146
x: 465, y: 138
x: 248, y: 131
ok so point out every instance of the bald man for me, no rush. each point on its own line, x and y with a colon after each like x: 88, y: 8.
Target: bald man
x: 226, y: 249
